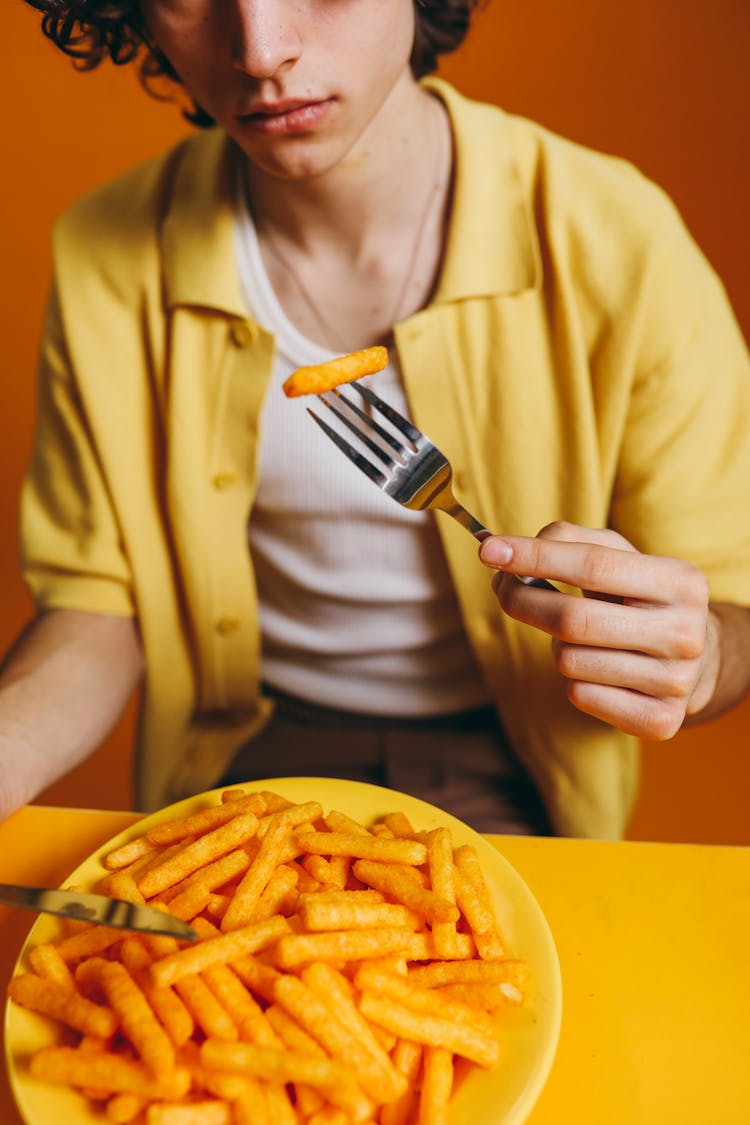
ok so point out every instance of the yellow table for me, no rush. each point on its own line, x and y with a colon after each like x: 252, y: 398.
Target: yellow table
x: 654, y: 945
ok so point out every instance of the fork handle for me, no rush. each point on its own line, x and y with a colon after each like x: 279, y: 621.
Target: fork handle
x: 480, y: 532
x: 540, y: 583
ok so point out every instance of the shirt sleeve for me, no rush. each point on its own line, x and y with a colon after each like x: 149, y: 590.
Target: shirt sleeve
x: 71, y: 549
x: 683, y: 480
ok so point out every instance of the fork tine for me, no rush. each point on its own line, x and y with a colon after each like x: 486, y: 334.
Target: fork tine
x: 368, y: 424
x: 406, y: 428
x: 366, y: 420
x: 353, y: 454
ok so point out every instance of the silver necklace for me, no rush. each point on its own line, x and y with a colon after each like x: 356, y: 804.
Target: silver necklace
x: 435, y: 192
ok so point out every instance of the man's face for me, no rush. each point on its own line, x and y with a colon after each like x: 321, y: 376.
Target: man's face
x: 294, y: 82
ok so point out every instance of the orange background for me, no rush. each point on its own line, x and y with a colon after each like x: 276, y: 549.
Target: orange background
x: 665, y: 83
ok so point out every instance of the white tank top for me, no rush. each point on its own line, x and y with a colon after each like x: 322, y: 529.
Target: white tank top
x: 357, y: 610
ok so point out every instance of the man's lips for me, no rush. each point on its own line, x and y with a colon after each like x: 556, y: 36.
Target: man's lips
x: 283, y: 118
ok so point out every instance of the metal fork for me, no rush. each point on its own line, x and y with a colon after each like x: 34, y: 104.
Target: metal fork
x: 415, y: 472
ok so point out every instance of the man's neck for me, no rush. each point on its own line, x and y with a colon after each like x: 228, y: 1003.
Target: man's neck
x: 371, y: 192
x: 352, y: 251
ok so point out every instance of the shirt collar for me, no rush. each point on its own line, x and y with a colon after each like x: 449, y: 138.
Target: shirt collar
x: 493, y: 248
x: 198, y: 231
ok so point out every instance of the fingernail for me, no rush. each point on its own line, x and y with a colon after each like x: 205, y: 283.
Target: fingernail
x: 496, y: 552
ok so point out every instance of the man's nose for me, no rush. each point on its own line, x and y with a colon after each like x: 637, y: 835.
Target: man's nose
x: 266, y: 36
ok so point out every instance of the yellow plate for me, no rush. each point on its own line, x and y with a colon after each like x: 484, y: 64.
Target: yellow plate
x: 504, y: 1096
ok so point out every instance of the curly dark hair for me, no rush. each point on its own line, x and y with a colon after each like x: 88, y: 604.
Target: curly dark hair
x: 90, y: 31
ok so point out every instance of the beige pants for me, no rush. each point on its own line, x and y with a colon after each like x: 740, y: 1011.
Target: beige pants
x: 461, y: 763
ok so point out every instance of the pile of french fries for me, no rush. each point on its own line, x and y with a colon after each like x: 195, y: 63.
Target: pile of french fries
x: 342, y: 974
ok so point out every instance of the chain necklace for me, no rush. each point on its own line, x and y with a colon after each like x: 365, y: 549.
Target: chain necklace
x: 435, y: 193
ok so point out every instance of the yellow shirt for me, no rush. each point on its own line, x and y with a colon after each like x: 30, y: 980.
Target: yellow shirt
x: 579, y: 361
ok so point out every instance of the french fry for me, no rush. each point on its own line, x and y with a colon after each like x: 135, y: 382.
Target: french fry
x: 420, y: 999
x: 205, y: 820
x: 121, y: 884
x: 306, y: 883
x: 350, y: 1098
x: 318, y: 378
x: 386, y: 1039
x: 387, y: 965
x: 362, y: 847
x: 55, y: 1000
x: 100, y: 1046
x: 340, y: 867
x: 317, y: 1018
x: 256, y: 975
x: 219, y: 1083
x: 405, y: 890
x: 106, y: 1071
x: 437, y: 1086
x: 295, y: 816
x: 123, y: 1108
x: 169, y: 1008
x: 88, y: 943
x: 233, y: 795
x: 206, y: 1011
x: 210, y: 1015
x: 219, y: 950
x: 216, y: 905
x: 217, y: 873
x: 196, y: 1113
x: 206, y: 848
x: 323, y: 870
x: 329, y: 1115
x: 422, y: 947
x: 455, y: 972
x: 383, y: 832
x: 290, y: 1033
x: 345, y: 897
x: 95, y: 1043
x: 238, y: 1001
x: 341, y: 822
x: 294, y: 950
x: 137, y: 1020
x: 251, y: 1107
x: 278, y: 895
x: 334, y: 990
x: 317, y: 914
x: 399, y: 824
x: 490, y: 997
x: 473, y: 897
x: 307, y: 1101
x: 280, y: 1107
x: 273, y: 1065
x: 190, y: 902
x: 159, y: 857
x: 46, y: 962
x: 257, y: 876
x: 128, y: 853
x: 442, y: 881
x: 407, y: 1058
x: 432, y: 1031
x: 275, y: 802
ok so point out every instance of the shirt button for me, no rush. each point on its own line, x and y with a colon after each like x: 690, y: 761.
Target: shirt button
x: 224, y: 479
x: 240, y: 333
x: 226, y: 625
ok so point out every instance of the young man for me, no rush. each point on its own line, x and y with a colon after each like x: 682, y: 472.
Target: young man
x: 551, y: 326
